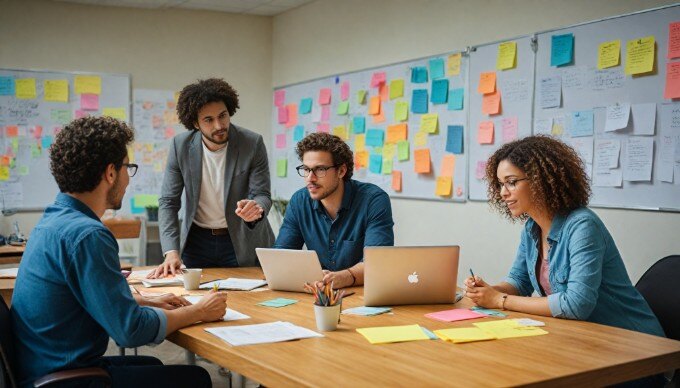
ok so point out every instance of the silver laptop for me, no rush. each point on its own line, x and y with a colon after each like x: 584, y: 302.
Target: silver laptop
x: 289, y: 269
x: 410, y: 275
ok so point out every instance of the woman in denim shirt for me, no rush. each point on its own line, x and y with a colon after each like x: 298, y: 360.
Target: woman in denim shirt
x: 566, y: 254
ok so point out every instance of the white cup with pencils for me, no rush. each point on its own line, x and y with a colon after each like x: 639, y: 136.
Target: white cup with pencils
x: 327, y: 305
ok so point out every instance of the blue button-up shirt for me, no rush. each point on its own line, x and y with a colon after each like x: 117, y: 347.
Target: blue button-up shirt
x: 586, y: 273
x: 70, y: 295
x: 364, y: 220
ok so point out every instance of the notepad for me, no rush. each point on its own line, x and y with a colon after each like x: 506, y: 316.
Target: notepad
x: 234, y: 284
x: 230, y: 315
x: 164, y: 282
x: 389, y: 334
x: 454, y: 315
x: 278, y: 302
x: 367, y: 311
x: 261, y: 333
x: 462, y: 335
x: 508, y: 328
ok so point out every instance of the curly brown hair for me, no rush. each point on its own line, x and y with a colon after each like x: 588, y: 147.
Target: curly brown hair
x: 83, y: 150
x: 321, y: 141
x: 193, y: 97
x: 556, y: 174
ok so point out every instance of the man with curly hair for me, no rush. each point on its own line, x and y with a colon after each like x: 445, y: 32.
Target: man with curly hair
x: 70, y: 294
x: 335, y: 215
x: 223, y: 170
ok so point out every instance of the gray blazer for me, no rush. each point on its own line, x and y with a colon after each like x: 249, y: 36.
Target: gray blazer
x: 246, y: 176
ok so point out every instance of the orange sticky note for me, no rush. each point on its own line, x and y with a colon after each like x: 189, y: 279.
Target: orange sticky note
x: 396, y: 133
x: 12, y: 131
x: 361, y: 159
x: 292, y: 115
x: 448, y: 165
x: 443, y: 187
x: 383, y: 92
x: 379, y: 118
x: 487, y: 83
x: 396, y: 180
x: 672, y: 89
x: 4, y: 160
x: 491, y: 103
x: 374, y: 106
x: 422, y: 159
x: 485, y: 132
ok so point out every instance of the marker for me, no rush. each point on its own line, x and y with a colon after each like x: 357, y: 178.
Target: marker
x: 473, y: 277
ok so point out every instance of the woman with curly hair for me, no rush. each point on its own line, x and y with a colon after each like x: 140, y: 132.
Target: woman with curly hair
x: 566, y: 254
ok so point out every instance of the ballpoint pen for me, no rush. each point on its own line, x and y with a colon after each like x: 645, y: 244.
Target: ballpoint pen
x: 473, y: 277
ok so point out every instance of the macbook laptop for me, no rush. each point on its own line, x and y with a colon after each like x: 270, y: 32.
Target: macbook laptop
x: 289, y: 269
x: 410, y: 275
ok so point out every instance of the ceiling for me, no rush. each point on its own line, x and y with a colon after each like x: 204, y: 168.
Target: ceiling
x: 251, y: 7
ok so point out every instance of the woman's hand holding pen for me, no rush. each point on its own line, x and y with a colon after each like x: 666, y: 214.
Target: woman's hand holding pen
x: 212, y: 306
x: 481, y: 293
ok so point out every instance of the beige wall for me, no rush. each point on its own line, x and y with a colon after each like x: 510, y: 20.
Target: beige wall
x: 330, y: 36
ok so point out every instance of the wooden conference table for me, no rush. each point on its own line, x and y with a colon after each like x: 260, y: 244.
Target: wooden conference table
x: 11, y: 254
x: 573, y: 353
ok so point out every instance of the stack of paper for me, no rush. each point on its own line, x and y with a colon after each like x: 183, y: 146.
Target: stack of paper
x: 454, y: 315
x: 9, y: 273
x: 367, y: 311
x: 230, y: 315
x: 164, y: 282
x: 462, y: 335
x: 509, y: 328
x: 235, y: 284
x: 389, y: 334
x: 262, y: 333
x: 278, y: 302
x: 140, y: 274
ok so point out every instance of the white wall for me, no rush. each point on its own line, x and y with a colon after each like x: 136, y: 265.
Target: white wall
x: 329, y: 37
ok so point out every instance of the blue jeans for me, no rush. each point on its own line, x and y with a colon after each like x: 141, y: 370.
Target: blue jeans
x: 205, y: 250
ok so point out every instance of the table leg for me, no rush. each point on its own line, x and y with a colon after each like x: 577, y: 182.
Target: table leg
x: 191, y: 357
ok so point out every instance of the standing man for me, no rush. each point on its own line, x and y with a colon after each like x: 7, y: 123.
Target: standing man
x: 70, y: 294
x: 223, y: 170
x: 335, y: 215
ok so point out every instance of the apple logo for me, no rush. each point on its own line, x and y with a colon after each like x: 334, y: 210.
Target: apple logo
x: 413, y: 278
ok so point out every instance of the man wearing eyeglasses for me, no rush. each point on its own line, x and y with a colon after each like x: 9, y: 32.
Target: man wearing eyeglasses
x: 335, y: 215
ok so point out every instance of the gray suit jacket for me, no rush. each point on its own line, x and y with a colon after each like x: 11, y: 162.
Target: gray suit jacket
x: 246, y: 176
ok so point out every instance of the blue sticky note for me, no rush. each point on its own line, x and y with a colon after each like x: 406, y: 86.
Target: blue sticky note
x: 454, y: 139
x: 437, y: 68
x: 136, y: 209
x: 359, y: 124
x: 278, y: 302
x: 7, y: 86
x: 429, y: 333
x: 562, y: 50
x: 440, y: 91
x: 375, y: 137
x: 375, y: 164
x: 581, y: 123
x: 305, y: 106
x: 47, y: 142
x: 492, y: 313
x: 419, y: 101
x: 298, y: 133
x: 419, y: 75
x: 456, y: 99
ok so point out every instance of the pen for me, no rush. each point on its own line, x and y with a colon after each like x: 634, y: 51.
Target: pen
x: 216, y: 286
x: 473, y: 277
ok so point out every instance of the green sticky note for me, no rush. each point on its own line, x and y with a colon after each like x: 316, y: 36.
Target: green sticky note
x: 15, y: 145
x: 144, y: 200
x: 23, y: 170
x: 60, y: 116
x: 396, y: 89
x: 282, y: 168
x: 402, y: 150
x: 387, y: 166
x: 278, y: 302
x: 401, y: 111
x: 361, y: 97
x: 35, y: 151
x: 343, y: 107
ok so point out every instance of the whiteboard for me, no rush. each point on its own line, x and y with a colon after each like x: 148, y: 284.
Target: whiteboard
x: 29, y: 126
x: 586, y: 88
x: 414, y: 185
x: 516, y: 88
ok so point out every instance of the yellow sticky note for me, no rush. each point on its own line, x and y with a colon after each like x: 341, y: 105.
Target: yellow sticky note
x: 608, y: 54
x: 4, y: 173
x: 387, y: 165
x: 131, y: 154
x: 396, y: 88
x: 507, y: 52
x: 116, y: 113
x: 25, y: 88
x: 341, y: 132
x: 640, y: 55
x: 453, y: 64
x: 401, y: 111
x: 388, y: 334
x: 508, y: 328
x: 422, y: 159
x: 88, y: 84
x: 448, y: 165
x: 557, y: 128
x: 443, y: 188
x: 396, y: 133
x: 56, y: 90
x: 463, y: 334
x: 487, y: 83
x: 396, y: 180
x: 361, y: 159
x: 389, y: 150
x: 361, y: 97
x: 360, y: 142
x: 429, y: 122
x: 421, y: 139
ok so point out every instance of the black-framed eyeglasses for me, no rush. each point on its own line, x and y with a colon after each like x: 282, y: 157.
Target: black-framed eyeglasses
x: 511, y: 185
x: 319, y: 171
x: 131, y: 168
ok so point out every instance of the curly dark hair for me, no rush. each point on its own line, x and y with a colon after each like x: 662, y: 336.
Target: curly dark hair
x: 557, y: 177
x: 84, y: 148
x: 321, y: 141
x: 193, y: 97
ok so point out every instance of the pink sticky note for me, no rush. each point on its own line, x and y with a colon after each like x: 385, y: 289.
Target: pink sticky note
x: 80, y: 113
x: 673, y: 40
x: 377, y: 79
x: 454, y: 315
x: 325, y: 113
x: 344, y: 91
x: 281, y: 140
x: 283, y: 115
x: 36, y: 131
x: 323, y: 127
x: 485, y: 132
x: 279, y: 97
x: 169, y: 132
x: 325, y: 96
x: 509, y: 128
x: 672, y: 89
x: 292, y: 115
x: 89, y: 101
x: 480, y: 172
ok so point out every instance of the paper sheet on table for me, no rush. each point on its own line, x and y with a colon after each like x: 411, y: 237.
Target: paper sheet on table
x: 389, y: 334
x: 230, y: 315
x: 261, y: 333
x: 234, y: 284
x: 454, y: 315
x: 9, y: 273
x: 508, y: 328
x: 164, y: 282
x: 464, y: 334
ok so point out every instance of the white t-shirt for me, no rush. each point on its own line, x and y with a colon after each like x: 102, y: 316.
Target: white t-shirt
x: 210, y: 213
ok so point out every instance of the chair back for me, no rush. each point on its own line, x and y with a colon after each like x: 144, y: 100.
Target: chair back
x: 7, y: 362
x: 659, y: 288
x: 131, y: 236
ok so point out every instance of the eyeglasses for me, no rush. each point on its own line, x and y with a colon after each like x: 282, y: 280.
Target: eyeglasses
x: 319, y: 171
x: 511, y: 185
x: 132, y: 168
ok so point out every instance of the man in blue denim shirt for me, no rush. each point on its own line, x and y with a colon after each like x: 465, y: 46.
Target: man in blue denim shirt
x: 70, y: 295
x: 334, y: 215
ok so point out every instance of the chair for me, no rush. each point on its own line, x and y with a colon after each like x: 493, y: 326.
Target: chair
x: 7, y: 377
x: 656, y: 286
x: 131, y: 236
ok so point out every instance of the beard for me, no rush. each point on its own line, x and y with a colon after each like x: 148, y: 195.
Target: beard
x: 326, y: 193
x: 114, y: 197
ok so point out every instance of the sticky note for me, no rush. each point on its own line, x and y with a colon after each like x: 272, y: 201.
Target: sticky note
x: 440, y: 91
x: 396, y: 180
x: 582, y: 123
x: 298, y: 133
x: 672, y: 88
x: 89, y: 101
x: 550, y: 92
x: 422, y: 161
x: 374, y: 105
x: 389, y: 150
x: 116, y: 113
x: 81, y: 113
x: 640, y: 55
x: 341, y: 132
x: 421, y: 139
x: 402, y: 150
x: 448, y: 166
x: 375, y: 137
x: 454, y: 315
x: 25, y: 88
x: 396, y: 133
x: 673, y: 40
x: 279, y: 97
x: 361, y: 158
x: 60, y: 116
x: 487, y: 83
x: 360, y: 142
x: 485, y: 132
x: 508, y: 328
x: 390, y: 334
x: 343, y: 108
x: 88, y: 84
x: 506, y: 57
x: 456, y: 99
x: 283, y: 115
x: 436, y: 68
x: 36, y: 131
x: 324, y: 96
x: 359, y: 124
x: 454, y: 139
x: 325, y: 113
x: 453, y: 64
x: 509, y: 129
x: 378, y: 78
x: 306, y: 106
x: 4, y: 173
x: 562, y: 49
x: 419, y: 101
x: 323, y: 127
x: 401, y: 111
x: 375, y: 164
x: 608, y: 54
x: 387, y: 165
x: 463, y: 335
x: 282, y: 167
x: 278, y: 302
x: 419, y: 75
x: 396, y: 88
x: 443, y: 186
x: 491, y: 103
x: 7, y: 86
x: 56, y: 90
x: 383, y: 92
x: 361, y: 97
x: 292, y: 115
x: 344, y: 91
x: 429, y: 123
x: 281, y: 140
x: 144, y: 200
x: 557, y: 126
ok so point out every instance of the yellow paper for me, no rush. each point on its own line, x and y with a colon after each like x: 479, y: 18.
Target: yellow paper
x: 56, y: 90
x: 25, y: 88
x: 4, y: 173
x: 429, y: 122
x: 116, y: 113
x: 443, y: 187
x: 608, y: 54
x: 464, y: 334
x: 360, y: 142
x: 640, y: 55
x: 508, y: 328
x: 507, y: 52
x: 88, y: 84
x: 341, y: 132
x: 388, y: 151
x: 453, y: 64
x: 421, y: 139
x: 361, y: 97
x: 388, y: 334
x: 401, y: 111
x: 396, y: 89
x: 557, y: 128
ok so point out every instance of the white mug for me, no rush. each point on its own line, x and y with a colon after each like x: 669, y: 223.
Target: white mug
x: 191, y: 278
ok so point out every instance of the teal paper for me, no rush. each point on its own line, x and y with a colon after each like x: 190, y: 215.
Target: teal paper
x: 437, y: 68
x: 7, y: 86
x: 440, y: 91
x: 454, y: 139
x: 305, y: 106
x: 278, y: 302
x: 375, y: 164
x: 419, y: 101
x: 375, y: 137
x: 456, y: 99
x: 489, y: 312
x: 419, y: 75
x: 359, y: 124
x: 298, y: 133
x: 562, y: 50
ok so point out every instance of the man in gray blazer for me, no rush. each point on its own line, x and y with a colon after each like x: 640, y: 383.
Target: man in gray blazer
x: 224, y: 172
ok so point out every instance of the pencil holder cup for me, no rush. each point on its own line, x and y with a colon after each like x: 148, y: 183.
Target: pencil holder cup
x: 327, y: 317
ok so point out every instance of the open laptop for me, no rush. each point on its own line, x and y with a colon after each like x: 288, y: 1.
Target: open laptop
x: 410, y: 275
x: 289, y: 269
